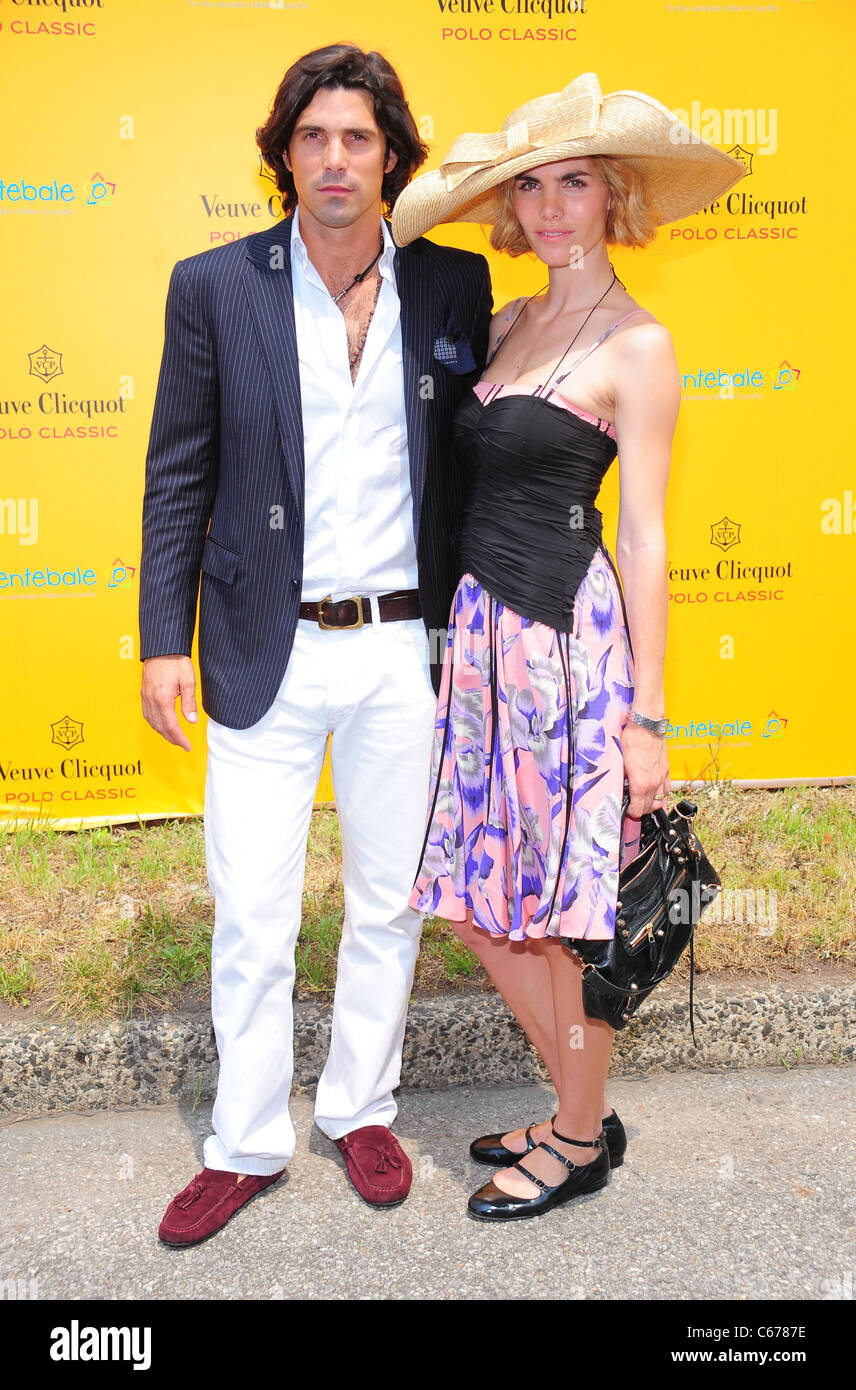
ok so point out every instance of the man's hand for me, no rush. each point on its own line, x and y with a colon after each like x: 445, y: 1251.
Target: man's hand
x: 164, y: 679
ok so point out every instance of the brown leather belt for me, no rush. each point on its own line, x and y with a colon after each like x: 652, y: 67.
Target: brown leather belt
x: 354, y: 612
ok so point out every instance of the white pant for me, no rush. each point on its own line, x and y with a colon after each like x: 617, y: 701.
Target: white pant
x: 371, y: 688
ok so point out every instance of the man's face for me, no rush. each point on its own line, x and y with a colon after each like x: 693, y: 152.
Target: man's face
x: 337, y: 156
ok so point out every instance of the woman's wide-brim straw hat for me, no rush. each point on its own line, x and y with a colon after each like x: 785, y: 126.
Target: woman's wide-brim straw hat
x: 682, y: 172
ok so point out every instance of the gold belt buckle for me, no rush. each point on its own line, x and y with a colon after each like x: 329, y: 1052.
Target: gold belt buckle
x: 340, y: 627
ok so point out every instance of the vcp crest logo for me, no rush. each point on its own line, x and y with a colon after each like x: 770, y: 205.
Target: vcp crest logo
x: 45, y: 363
x: 742, y: 156
x: 67, y: 732
x: 725, y: 533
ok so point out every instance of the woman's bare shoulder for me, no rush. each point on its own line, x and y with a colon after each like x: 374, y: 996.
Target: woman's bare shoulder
x: 635, y: 315
x: 645, y: 376
x: 639, y: 332
x: 632, y: 313
x: 503, y: 313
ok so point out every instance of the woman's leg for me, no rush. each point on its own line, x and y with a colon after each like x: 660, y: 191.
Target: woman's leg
x: 522, y: 972
x: 584, y: 1047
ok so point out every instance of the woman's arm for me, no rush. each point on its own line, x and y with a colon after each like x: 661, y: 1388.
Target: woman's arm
x: 647, y: 394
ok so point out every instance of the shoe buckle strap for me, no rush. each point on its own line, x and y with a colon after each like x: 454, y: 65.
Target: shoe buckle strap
x: 531, y: 1176
x: 582, y: 1143
x: 561, y: 1157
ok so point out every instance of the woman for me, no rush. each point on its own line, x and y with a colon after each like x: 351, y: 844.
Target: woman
x: 545, y: 707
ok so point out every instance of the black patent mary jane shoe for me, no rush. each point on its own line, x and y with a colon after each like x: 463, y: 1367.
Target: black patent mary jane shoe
x: 616, y: 1139
x: 490, y: 1150
x: 490, y: 1203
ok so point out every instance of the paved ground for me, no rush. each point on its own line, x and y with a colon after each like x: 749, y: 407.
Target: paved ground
x: 736, y: 1185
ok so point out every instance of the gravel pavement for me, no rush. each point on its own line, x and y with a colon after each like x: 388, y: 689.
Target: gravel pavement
x: 736, y: 1185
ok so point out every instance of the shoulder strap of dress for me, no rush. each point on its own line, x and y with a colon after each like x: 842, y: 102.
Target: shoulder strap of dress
x: 504, y: 330
x: 626, y: 316
x: 611, y: 329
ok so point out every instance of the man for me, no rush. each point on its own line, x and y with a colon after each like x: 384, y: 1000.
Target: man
x: 300, y: 457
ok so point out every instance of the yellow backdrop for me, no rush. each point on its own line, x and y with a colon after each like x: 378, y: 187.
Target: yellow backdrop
x: 132, y: 146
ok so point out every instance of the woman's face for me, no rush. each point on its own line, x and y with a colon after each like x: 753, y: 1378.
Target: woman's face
x: 560, y: 207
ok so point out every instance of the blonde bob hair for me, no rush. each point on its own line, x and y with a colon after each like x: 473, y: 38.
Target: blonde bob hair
x: 629, y: 222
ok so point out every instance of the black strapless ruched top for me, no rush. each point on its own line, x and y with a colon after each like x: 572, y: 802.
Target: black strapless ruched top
x: 531, y: 527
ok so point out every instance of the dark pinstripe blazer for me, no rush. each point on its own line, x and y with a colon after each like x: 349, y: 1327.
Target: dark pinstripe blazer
x: 224, y: 493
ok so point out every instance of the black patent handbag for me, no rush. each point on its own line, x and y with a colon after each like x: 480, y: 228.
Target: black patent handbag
x: 662, y: 892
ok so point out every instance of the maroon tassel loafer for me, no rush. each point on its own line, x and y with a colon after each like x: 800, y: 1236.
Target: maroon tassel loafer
x: 207, y: 1203
x: 377, y: 1165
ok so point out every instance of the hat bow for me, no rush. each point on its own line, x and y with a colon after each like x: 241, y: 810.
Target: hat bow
x: 572, y: 114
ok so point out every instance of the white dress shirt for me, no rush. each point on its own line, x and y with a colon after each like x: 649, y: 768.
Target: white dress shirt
x: 358, y: 508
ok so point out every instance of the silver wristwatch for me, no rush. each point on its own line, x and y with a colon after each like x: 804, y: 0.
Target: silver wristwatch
x: 657, y: 726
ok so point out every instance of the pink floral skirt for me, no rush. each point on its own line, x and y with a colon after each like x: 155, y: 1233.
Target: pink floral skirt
x: 527, y: 773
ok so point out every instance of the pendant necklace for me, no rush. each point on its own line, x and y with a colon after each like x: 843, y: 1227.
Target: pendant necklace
x: 358, y: 279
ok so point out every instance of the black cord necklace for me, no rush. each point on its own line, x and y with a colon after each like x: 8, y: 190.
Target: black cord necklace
x: 358, y: 279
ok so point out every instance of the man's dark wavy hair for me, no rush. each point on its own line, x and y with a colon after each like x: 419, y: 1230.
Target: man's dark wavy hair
x: 343, y: 65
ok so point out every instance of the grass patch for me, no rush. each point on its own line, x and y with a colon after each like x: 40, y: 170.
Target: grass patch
x: 16, y: 981
x: 318, y: 943
x: 118, y: 920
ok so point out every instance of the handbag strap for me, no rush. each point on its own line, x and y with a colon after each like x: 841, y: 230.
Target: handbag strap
x: 692, y: 978
x: 607, y: 987
x: 668, y: 831
x: 661, y: 816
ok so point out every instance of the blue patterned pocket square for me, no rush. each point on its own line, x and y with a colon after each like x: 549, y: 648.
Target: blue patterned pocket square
x: 453, y: 350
